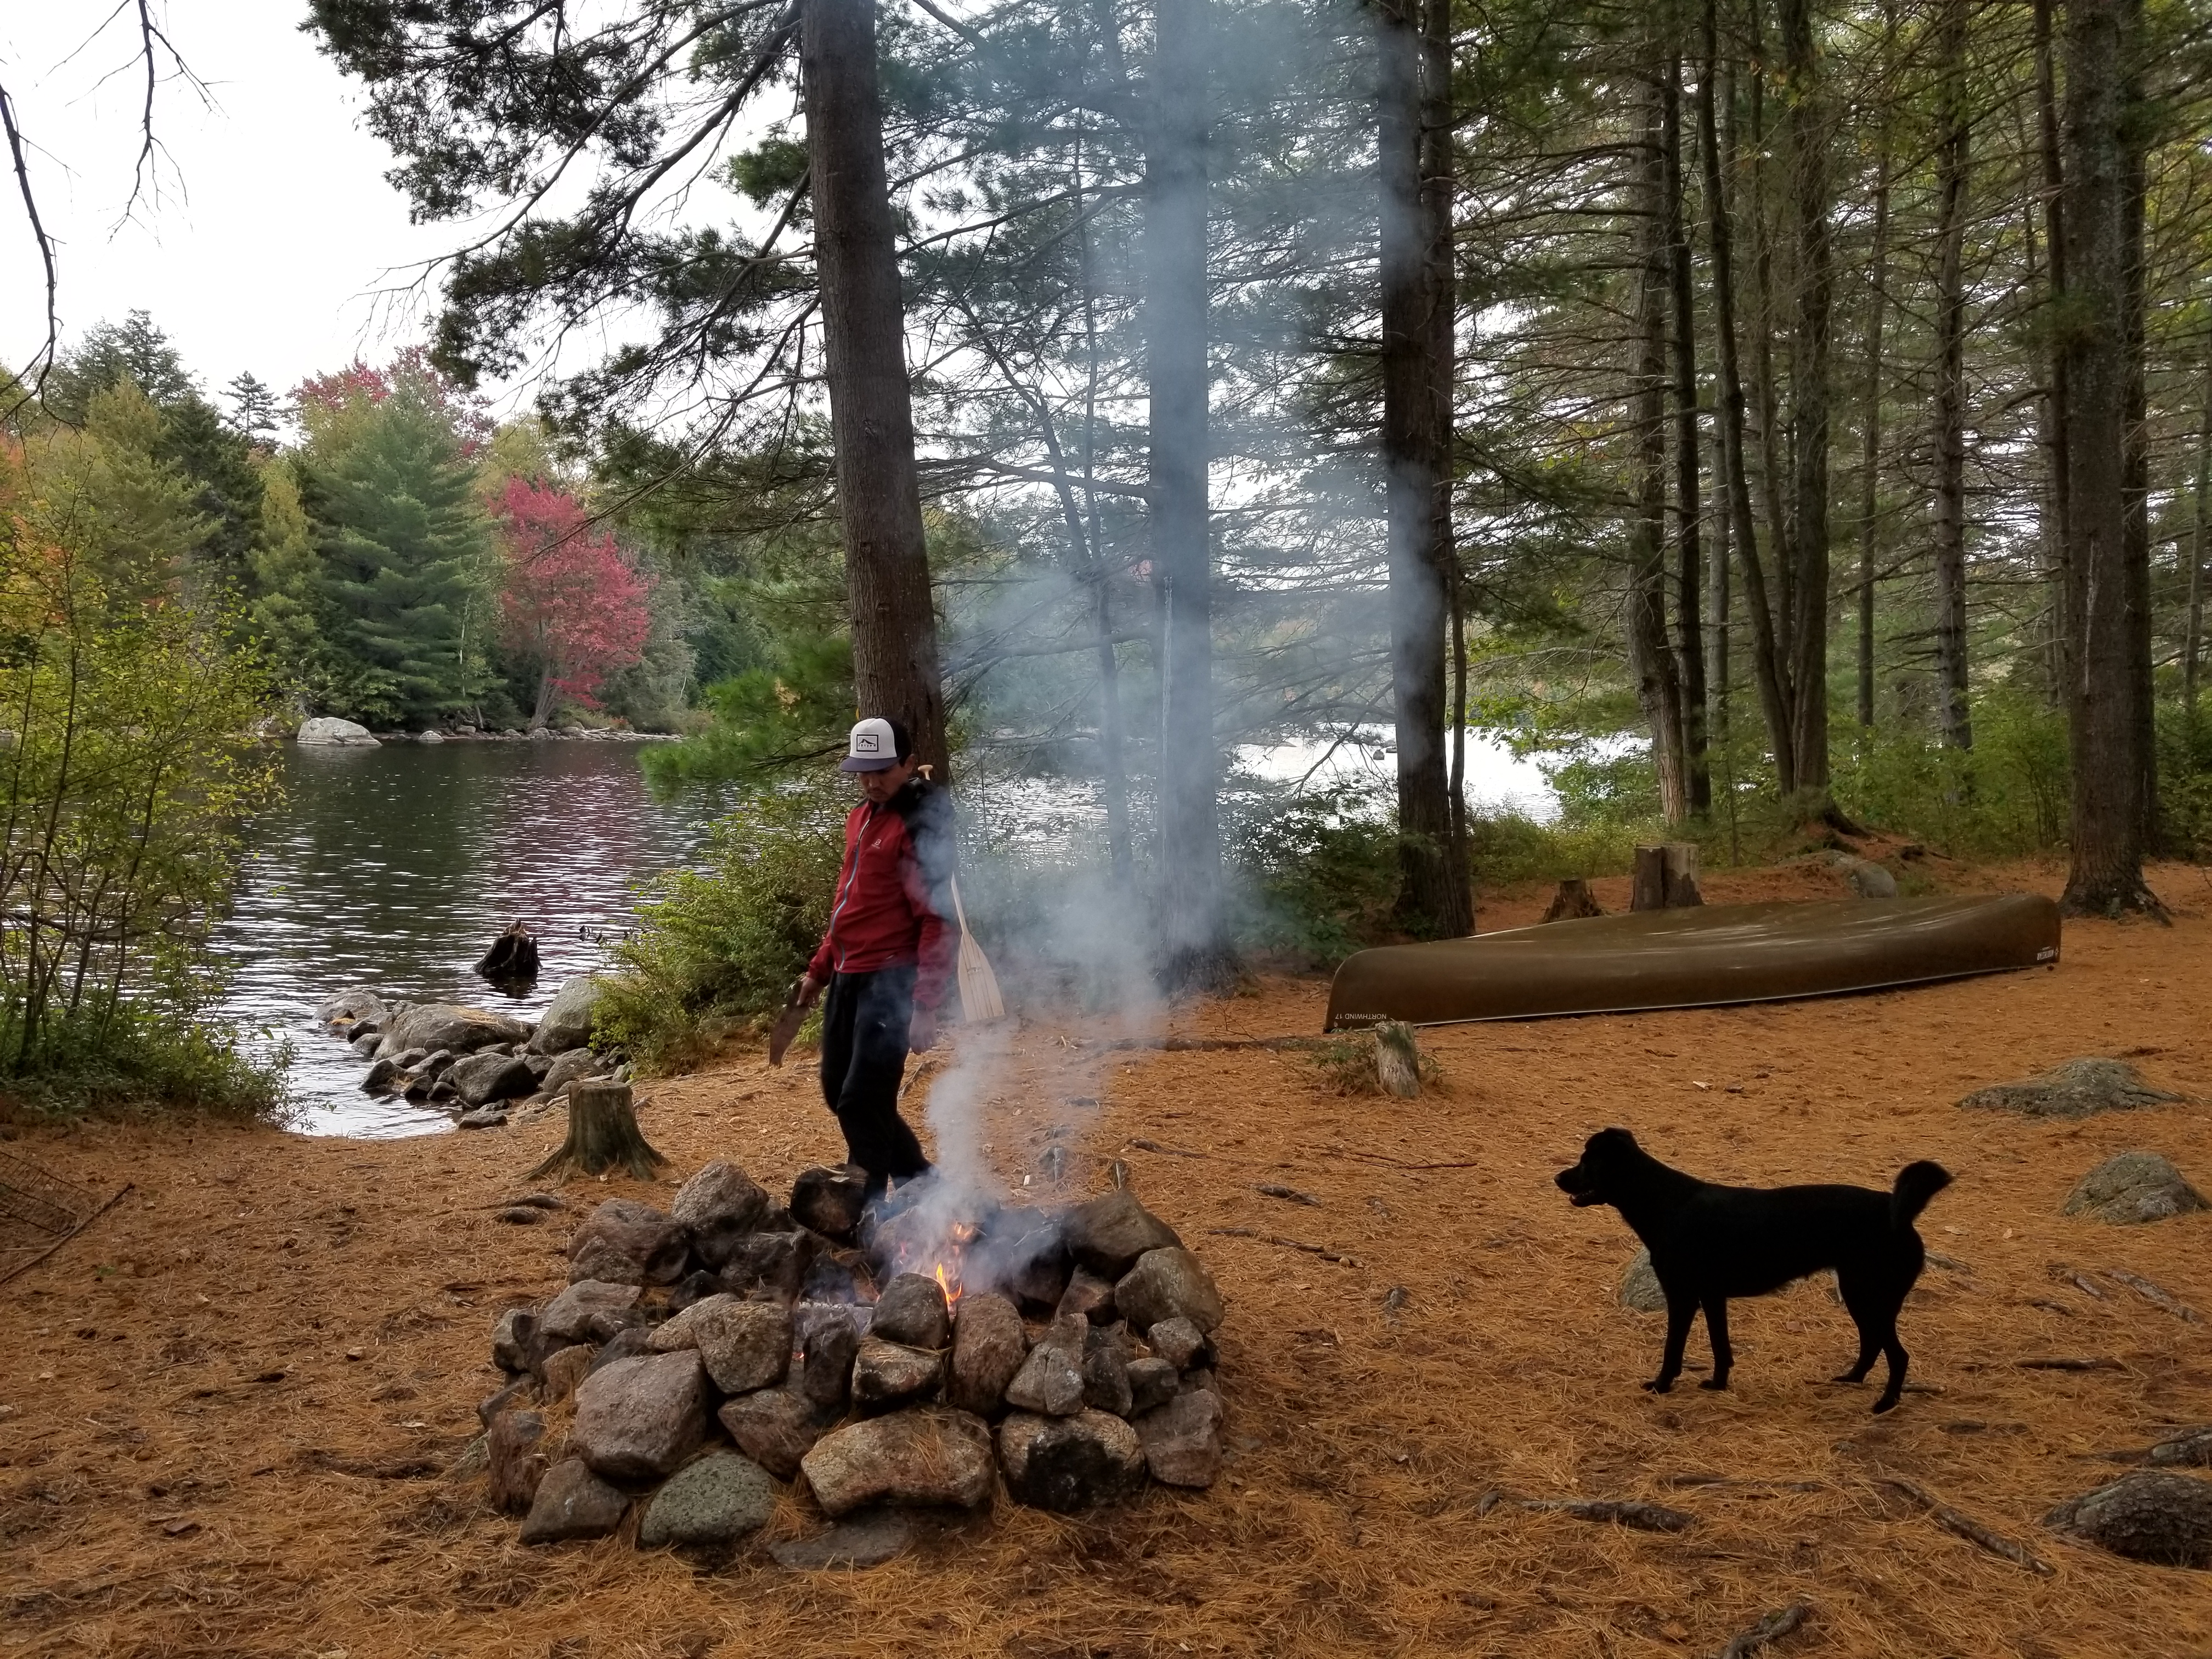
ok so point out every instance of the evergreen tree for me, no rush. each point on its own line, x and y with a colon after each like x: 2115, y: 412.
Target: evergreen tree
x: 289, y: 608
x: 134, y: 349
x: 194, y: 438
x: 140, y: 513
x: 252, y: 408
x: 404, y: 549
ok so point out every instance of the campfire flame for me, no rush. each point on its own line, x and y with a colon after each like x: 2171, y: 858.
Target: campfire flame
x: 943, y: 1259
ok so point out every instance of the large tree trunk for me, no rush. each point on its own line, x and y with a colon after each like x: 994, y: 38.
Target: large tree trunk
x: 1650, y: 663
x: 2136, y: 454
x: 1432, y: 895
x: 2051, y: 411
x: 2103, y: 723
x: 1689, y: 456
x: 894, y: 668
x: 1954, y: 717
x: 1877, y: 312
x: 1439, y: 191
x: 1196, y: 949
x: 1112, y: 772
x: 1719, y: 162
x: 1806, y: 135
x: 1767, y: 666
x: 2192, y: 644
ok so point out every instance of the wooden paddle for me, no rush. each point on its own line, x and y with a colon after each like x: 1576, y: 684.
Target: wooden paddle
x: 979, y: 985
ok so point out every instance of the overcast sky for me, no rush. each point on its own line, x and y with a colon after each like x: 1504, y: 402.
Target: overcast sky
x: 274, y: 228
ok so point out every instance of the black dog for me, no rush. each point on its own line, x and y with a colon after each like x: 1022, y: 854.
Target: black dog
x: 1708, y: 1244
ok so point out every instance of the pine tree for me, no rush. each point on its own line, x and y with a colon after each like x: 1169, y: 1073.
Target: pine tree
x: 289, y: 608
x: 253, y: 407
x: 404, y: 548
x: 193, y: 435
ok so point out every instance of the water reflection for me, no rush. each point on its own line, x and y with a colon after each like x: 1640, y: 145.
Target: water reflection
x: 394, y: 867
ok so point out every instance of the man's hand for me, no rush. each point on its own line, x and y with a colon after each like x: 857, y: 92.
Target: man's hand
x: 921, y: 1029
x: 808, y: 992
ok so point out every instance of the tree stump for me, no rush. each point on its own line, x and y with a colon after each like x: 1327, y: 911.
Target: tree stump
x: 1397, y: 1060
x: 1666, y: 877
x: 512, y: 958
x: 603, y: 1131
x: 1573, y: 901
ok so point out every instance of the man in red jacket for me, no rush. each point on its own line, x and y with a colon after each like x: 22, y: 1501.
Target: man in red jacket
x: 888, y: 954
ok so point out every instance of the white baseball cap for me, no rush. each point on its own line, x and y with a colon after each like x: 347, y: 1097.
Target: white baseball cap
x: 873, y: 747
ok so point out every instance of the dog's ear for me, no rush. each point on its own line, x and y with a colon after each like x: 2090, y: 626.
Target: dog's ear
x: 1613, y: 1142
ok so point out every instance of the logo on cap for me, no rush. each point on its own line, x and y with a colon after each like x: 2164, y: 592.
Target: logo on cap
x: 873, y: 746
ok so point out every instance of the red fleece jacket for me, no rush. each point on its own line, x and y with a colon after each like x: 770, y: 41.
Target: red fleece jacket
x: 889, y: 911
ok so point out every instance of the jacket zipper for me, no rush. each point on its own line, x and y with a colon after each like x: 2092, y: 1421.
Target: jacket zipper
x: 852, y: 875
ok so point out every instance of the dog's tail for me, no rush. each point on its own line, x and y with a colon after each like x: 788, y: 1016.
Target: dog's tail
x: 1916, y: 1183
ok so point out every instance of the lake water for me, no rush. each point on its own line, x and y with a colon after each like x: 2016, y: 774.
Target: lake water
x: 394, y: 867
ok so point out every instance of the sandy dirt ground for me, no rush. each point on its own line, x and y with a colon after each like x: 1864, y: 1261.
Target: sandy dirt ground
x: 229, y: 1410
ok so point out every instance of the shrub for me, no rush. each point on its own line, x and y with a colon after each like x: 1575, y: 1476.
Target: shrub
x: 136, y: 1058
x: 1319, y: 872
x: 122, y: 777
x: 717, y: 948
x: 2008, y: 794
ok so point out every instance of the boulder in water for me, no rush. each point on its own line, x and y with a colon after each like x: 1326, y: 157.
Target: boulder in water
x: 566, y: 1024
x: 326, y: 730
x: 435, y: 1025
x: 352, y: 1006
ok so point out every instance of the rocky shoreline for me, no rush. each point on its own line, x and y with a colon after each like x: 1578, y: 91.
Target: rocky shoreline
x: 328, y: 732
x: 474, y: 1065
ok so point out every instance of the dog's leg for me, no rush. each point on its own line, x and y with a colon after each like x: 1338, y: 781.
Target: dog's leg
x: 1861, y: 1301
x: 1895, y: 1352
x: 1716, y: 1329
x: 1885, y: 1310
x: 1680, y: 1310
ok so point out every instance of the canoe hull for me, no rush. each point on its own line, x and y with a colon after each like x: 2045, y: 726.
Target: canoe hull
x: 1699, y: 958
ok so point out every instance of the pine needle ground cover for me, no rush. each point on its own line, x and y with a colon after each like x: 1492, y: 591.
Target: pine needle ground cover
x: 231, y: 1408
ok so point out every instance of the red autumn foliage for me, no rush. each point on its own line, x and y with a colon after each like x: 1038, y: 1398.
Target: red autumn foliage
x: 471, y: 421
x: 571, y: 601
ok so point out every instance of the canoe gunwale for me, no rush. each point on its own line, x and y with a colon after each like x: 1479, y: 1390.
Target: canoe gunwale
x: 1368, y: 1022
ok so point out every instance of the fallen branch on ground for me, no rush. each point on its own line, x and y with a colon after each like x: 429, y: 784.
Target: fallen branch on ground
x: 1965, y: 1526
x: 2157, y: 1295
x: 2065, y: 1363
x: 1772, y: 1628
x: 2080, y: 1281
x: 1395, y: 1162
x: 1747, y: 1483
x: 1321, y: 1251
x: 1167, y: 1152
x: 1182, y: 1045
x: 1622, y: 1511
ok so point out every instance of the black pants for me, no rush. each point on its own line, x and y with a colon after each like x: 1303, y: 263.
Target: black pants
x: 863, y: 1035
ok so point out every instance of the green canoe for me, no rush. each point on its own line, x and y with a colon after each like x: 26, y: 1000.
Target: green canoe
x: 1691, y: 958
